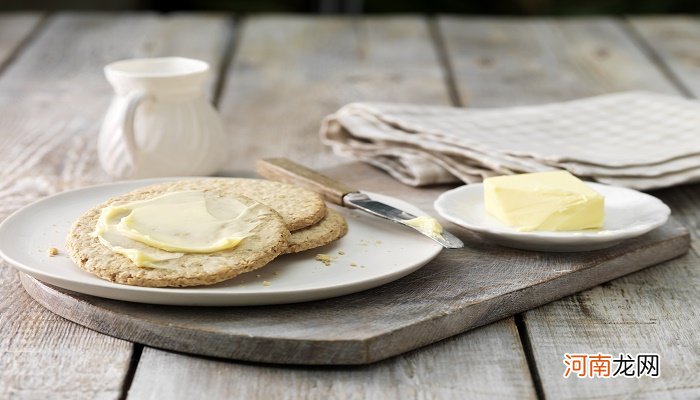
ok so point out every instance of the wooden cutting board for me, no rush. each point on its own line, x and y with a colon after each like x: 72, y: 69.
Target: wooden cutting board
x: 459, y: 290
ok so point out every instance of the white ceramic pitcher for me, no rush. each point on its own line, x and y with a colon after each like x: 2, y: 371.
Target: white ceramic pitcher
x: 159, y: 123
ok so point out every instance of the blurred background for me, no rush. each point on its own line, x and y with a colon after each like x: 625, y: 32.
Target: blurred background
x: 495, y: 7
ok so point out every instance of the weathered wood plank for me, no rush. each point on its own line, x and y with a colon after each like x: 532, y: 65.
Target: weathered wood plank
x: 73, y: 68
x: 500, y: 62
x: 674, y: 40
x: 15, y: 29
x: 287, y: 74
x: 448, y: 371
x: 52, y: 98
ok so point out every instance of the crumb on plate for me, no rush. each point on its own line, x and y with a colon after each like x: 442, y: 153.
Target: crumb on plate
x: 52, y: 251
x: 324, y: 258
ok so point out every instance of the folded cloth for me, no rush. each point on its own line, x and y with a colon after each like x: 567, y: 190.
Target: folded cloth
x: 636, y: 139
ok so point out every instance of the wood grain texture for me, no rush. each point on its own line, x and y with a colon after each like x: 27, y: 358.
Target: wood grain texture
x: 447, y: 371
x: 15, y: 29
x: 461, y: 289
x: 289, y: 73
x: 52, y: 98
x: 644, y: 312
x: 503, y: 62
x: 674, y: 41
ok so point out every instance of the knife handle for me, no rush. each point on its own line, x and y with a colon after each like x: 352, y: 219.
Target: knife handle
x: 285, y: 170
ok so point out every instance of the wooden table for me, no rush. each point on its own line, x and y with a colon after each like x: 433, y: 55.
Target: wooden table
x: 274, y: 78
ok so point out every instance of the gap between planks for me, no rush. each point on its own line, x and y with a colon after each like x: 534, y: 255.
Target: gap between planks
x: 24, y: 43
x: 653, y: 56
x: 136, y: 351
x: 444, y: 58
x: 232, y: 42
x: 529, y: 355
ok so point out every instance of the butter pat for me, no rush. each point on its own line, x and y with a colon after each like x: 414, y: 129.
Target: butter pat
x: 544, y: 201
x: 427, y: 225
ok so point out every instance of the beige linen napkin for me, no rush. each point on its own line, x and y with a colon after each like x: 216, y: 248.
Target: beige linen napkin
x: 635, y: 139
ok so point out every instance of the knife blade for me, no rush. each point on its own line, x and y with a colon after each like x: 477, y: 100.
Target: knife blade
x: 284, y: 170
x: 363, y: 202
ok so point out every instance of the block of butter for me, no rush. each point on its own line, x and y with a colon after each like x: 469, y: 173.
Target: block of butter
x: 544, y: 201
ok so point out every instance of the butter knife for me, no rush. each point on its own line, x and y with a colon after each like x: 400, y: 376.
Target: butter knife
x: 284, y: 170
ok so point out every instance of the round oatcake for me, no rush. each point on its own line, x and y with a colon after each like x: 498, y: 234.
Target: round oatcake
x: 268, y: 240
x: 332, y: 227
x: 298, y: 207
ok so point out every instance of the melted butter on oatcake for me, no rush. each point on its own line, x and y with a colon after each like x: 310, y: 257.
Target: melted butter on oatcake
x: 150, y: 232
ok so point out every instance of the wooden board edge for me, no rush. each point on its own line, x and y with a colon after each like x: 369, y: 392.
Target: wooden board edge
x: 81, y: 311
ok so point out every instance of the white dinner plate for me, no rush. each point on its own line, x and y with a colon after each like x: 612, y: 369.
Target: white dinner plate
x: 628, y: 214
x: 374, y: 252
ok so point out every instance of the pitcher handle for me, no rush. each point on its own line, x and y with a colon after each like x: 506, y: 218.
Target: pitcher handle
x: 133, y: 100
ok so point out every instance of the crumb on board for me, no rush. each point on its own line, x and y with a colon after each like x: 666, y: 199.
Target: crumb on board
x: 353, y: 264
x: 341, y: 252
x: 378, y: 242
x: 52, y: 251
x: 275, y: 273
x: 266, y: 283
x: 324, y: 258
x: 258, y: 276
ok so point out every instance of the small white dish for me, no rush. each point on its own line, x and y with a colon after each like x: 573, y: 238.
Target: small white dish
x: 374, y: 252
x: 628, y: 214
